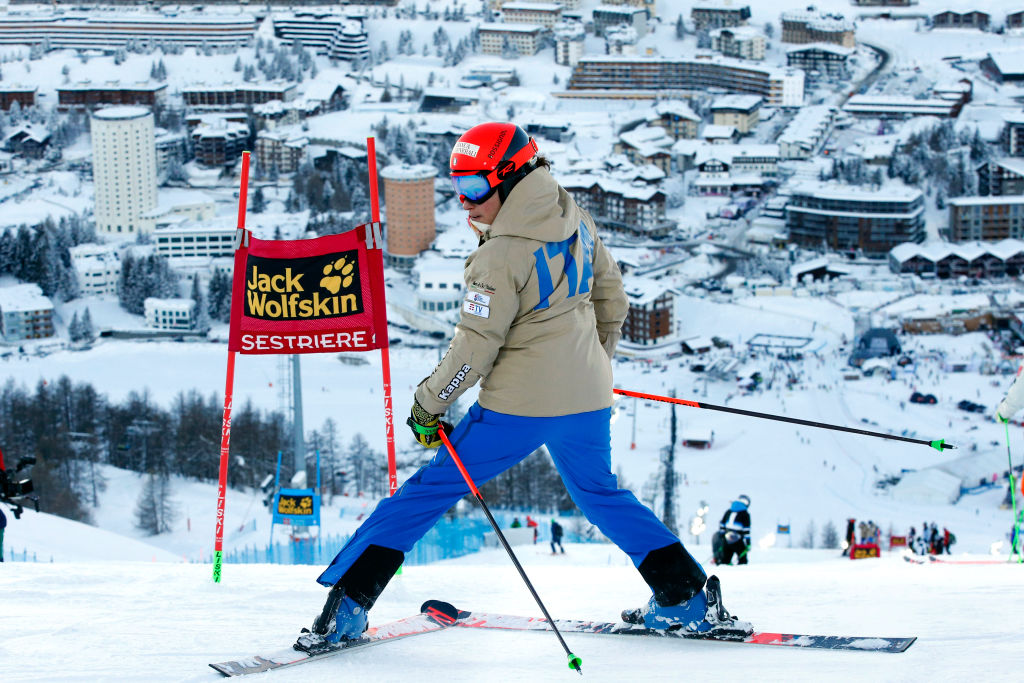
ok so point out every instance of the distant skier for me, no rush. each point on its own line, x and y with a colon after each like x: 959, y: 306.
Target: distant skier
x: 3, y: 525
x: 556, y: 537
x: 542, y: 314
x: 735, y: 531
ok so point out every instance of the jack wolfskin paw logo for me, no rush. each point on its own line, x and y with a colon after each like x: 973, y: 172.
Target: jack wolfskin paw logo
x: 341, y: 278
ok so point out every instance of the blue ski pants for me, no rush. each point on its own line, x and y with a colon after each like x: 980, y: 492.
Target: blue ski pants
x: 488, y: 443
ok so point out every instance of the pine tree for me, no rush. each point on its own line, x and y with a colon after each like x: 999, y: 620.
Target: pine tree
x: 259, y: 203
x: 154, y: 510
x: 830, y: 536
x: 808, y: 539
x: 202, y: 316
x: 75, y: 328
x: 88, y: 333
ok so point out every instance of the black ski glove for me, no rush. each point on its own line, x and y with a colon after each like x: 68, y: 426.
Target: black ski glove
x: 424, y: 426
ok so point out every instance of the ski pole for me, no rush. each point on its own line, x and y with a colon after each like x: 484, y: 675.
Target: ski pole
x: 1015, y: 544
x: 937, y: 444
x: 574, y: 661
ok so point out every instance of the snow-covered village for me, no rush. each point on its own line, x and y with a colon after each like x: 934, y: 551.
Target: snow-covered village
x: 787, y: 296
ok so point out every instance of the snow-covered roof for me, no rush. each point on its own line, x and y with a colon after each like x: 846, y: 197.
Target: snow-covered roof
x: 642, y: 290
x: 641, y: 191
x: 619, y: 9
x: 937, y: 251
x: 177, y: 304
x: 729, y: 153
x: 408, y: 172
x: 717, y: 131
x: 496, y: 27
x: 532, y: 6
x: 986, y: 201
x: 831, y: 190
x: 648, y: 140
x: 808, y: 125
x: 675, y: 108
x: 821, y: 262
x: 30, y: 131
x: 738, y: 102
x: 26, y: 297
x: 738, y: 32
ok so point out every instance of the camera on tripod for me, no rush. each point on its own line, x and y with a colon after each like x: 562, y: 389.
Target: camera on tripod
x: 16, y: 488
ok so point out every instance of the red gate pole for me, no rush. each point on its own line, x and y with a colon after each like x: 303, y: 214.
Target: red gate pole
x: 385, y: 357
x: 229, y: 390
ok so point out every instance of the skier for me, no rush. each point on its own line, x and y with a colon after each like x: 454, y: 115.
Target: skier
x: 735, y: 531
x: 3, y: 525
x: 540, y: 320
x: 556, y: 537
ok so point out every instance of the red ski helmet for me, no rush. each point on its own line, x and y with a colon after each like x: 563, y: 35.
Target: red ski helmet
x: 489, y: 158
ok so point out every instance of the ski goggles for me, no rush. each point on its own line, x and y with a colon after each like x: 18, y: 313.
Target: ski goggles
x: 478, y: 187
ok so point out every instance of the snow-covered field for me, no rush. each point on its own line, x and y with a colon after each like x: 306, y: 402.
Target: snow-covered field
x: 134, y: 619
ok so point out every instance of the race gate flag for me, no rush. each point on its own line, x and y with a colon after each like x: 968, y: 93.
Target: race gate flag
x: 322, y: 295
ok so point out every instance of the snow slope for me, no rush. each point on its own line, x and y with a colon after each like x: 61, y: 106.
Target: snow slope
x: 145, y: 621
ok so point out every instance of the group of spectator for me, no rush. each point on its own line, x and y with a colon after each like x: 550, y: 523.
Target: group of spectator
x: 930, y: 540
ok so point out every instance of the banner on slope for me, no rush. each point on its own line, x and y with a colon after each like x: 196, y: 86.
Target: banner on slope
x: 309, y: 296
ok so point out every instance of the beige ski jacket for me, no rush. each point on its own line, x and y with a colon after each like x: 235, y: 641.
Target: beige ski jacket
x: 542, y: 312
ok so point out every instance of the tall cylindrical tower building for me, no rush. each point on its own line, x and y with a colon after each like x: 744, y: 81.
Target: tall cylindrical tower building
x: 409, y: 200
x: 123, y: 168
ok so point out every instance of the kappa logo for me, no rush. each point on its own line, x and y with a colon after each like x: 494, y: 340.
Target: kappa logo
x: 458, y: 379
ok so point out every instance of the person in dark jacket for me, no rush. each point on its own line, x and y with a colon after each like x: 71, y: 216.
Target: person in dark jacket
x: 556, y: 536
x: 735, y: 531
x: 3, y: 525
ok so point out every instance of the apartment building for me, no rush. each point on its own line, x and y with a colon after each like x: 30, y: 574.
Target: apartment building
x: 87, y: 95
x: 628, y: 75
x: 832, y: 61
x: 170, y: 314
x: 712, y: 15
x: 524, y: 38
x: 986, y: 218
x: 610, y: 16
x: 843, y: 217
x: 637, y: 209
x: 24, y: 95
x: 25, y: 313
x: 812, y: 26
x: 742, y: 112
x: 337, y: 36
x: 650, y: 318
x: 235, y: 96
x: 545, y: 14
x: 281, y: 149
x: 741, y: 42
x: 409, y: 202
x: 81, y: 30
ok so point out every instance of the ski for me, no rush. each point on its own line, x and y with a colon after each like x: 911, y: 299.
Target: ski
x: 932, y: 559
x: 516, y: 623
x: 434, y: 616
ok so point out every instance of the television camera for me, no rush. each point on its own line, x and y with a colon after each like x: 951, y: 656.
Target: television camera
x: 16, y: 486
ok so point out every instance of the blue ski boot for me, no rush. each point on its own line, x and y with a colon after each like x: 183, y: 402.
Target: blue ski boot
x: 341, y: 619
x: 703, y: 614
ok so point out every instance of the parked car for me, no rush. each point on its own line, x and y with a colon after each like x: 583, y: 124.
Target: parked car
x: 928, y: 399
x: 971, y: 406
